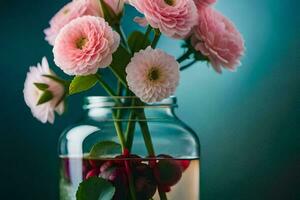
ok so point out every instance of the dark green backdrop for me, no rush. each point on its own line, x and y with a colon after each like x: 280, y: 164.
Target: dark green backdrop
x: 248, y: 121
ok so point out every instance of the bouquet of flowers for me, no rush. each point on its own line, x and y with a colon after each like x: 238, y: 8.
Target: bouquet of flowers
x: 87, y: 36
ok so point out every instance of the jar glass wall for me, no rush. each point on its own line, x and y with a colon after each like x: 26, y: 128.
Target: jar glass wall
x: 162, y: 153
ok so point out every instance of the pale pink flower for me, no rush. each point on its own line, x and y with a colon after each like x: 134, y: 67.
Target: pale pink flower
x: 116, y: 5
x: 174, y: 18
x: 152, y: 75
x: 84, y: 45
x: 216, y: 37
x: 43, y: 112
x: 204, y: 3
x: 70, y: 11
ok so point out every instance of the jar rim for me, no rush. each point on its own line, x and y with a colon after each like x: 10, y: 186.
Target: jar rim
x: 110, y: 102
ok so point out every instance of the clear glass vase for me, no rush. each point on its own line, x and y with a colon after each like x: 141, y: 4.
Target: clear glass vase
x: 160, y: 159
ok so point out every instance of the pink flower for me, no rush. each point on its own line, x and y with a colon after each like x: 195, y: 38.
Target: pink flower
x: 174, y: 18
x: 152, y: 75
x: 43, y: 112
x: 84, y: 45
x: 204, y: 3
x: 217, y: 38
x: 116, y: 5
x: 72, y: 10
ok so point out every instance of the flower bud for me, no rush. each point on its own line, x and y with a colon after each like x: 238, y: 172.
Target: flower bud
x: 116, y: 6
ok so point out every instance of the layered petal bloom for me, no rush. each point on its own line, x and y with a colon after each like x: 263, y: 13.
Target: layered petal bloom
x: 70, y: 11
x: 84, y: 45
x: 204, y: 3
x: 43, y: 112
x: 152, y: 75
x: 216, y: 37
x: 174, y: 18
x: 116, y: 5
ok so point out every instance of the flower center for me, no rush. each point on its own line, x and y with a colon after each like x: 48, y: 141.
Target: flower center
x: 153, y: 74
x: 170, y: 2
x: 66, y: 11
x: 81, y: 42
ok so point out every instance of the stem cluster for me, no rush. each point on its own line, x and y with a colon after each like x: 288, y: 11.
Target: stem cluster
x: 137, y: 112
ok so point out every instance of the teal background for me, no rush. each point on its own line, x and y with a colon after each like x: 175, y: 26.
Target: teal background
x: 248, y: 121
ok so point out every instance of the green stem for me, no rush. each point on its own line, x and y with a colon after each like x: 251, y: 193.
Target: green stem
x: 131, y: 127
x: 129, y: 141
x: 130, y: 181
x: 188, y: 65
x: 143, y: 120
x: 156, y: 38
x: 130, y: 131
x: 185, y: 56
x: 162, y: 195
x: 121, y: 79
x: 147, y: 34
x: 119, y: 88
x: 120, y: 30
x: 146, y: 133
x: 110, y: 91
x: 119, y: 93
x: 119, y: 131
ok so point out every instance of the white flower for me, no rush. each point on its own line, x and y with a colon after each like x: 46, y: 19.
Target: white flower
x: 152, y: 75
x: 43, y: 112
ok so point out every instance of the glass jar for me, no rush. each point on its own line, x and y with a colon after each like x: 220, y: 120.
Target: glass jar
x: 163, y: 153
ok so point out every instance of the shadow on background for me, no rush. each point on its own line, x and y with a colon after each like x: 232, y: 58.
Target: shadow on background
x: 248, y: 121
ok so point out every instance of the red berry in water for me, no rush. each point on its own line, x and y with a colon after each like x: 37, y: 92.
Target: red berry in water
x: 112, y: 172
x: 184, y: 164
x: 132, y: 160
x: 106, y: 166
x: 115, y: 173
x: 167, y: 172
x: 92, y: 173
x: 145, y: 189
x: 144, y: 181
x: 165, y: 188
x: 95, y: 163
x: 107, y: 171
x: 120, y: 181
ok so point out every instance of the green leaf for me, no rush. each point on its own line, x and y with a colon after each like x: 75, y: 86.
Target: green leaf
x: 42, y: 86
x: 95, y: 188
x: 55, y: 78
x: 138, y: 41
x: 46, y: 96
x: 82, y: 83
x: 121, y: 58
x: 105, y: 148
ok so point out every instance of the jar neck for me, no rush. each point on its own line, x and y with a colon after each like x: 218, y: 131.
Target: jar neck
x: 102, y: 108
